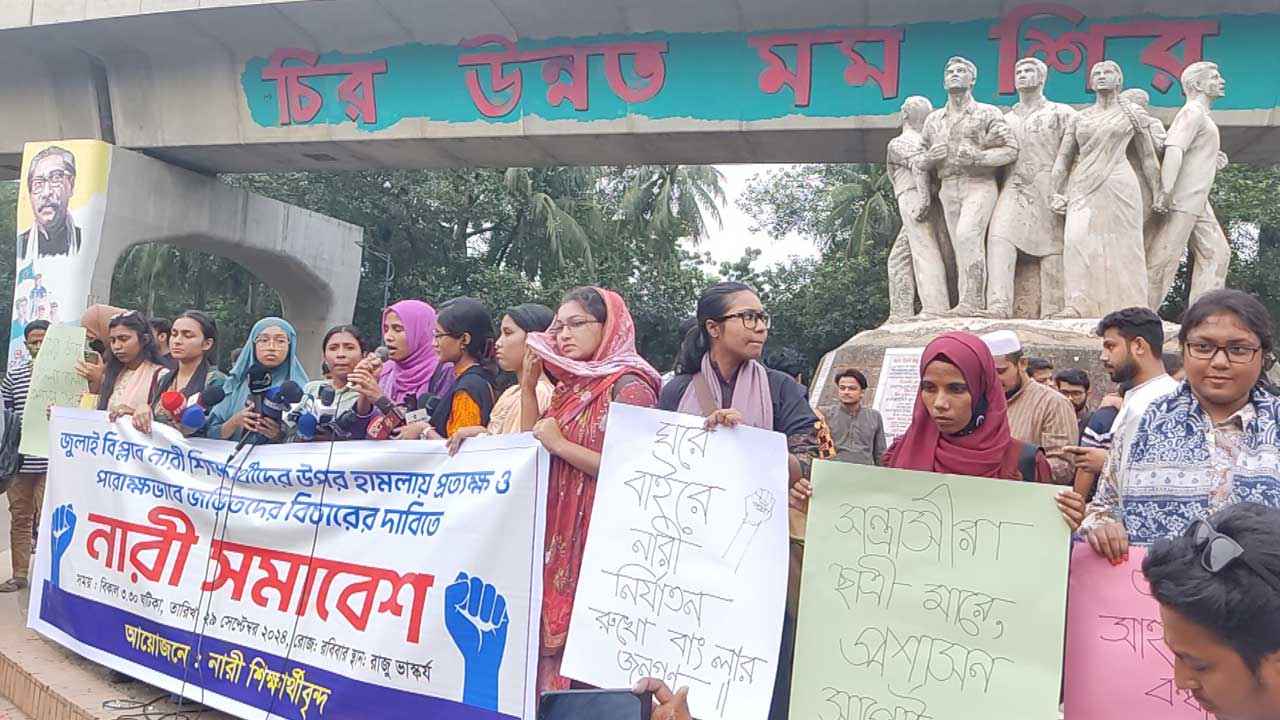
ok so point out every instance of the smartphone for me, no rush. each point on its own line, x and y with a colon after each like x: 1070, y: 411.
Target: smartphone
x: 91, y: 357
x: 595, y: 705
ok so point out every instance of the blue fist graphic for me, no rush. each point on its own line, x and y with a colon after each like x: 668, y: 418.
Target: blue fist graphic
x: 64, y: 527
x: 476, y: 617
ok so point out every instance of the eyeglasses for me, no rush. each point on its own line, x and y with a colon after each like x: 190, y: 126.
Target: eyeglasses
x: 439, y: 335
x: 271, y: 341
x: 1237, y: 354
x: 573, y: 324
x: 57, y: 177
x: 751, y: 319
x: 1221, y: 550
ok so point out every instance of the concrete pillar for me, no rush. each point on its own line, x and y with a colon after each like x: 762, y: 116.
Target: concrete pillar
x: 312, y: 260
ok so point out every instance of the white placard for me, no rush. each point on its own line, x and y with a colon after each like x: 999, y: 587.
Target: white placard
x: 685, y: 571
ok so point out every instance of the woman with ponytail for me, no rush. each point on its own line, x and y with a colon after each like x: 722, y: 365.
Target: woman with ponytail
x: 719, y: 376
x: 463, y: 337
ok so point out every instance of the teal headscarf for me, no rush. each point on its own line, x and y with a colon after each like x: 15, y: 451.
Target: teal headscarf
x: 237, y: 383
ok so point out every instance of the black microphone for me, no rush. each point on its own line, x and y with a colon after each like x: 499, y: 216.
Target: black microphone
x: 259, y: 387
x: 326, y: 395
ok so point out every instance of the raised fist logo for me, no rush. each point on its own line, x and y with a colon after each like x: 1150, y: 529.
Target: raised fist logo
x: 476, y: 617
x: 64, y: 527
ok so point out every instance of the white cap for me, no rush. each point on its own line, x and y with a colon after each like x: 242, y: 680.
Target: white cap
x: 1002, y: 342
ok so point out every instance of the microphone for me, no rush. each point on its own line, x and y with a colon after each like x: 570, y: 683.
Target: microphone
x: 382, y: 353
x: 270, y: 402
x: 327, y: 395
x: 307, y: 425
x: 172, y: 402
x: 196, y: 414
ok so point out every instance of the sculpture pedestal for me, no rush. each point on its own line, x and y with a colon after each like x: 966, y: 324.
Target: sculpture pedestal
x: 1065, y: 343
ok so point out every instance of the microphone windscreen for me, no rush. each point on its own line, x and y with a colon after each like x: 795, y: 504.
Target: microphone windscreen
x: 382, y: 353
x: 326, y: 395
x: 212, y: 396
x: 290, y: 392
x: 193, y: 417
x: 307, y: 426
x: 172, y: 402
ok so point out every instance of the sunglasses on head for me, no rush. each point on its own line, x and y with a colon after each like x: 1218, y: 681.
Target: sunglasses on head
x: 1217, y: 551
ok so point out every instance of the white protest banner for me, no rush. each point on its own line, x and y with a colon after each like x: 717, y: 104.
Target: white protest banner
x: 303, y: 581
x: 685, y: 571
x: 896, y: 389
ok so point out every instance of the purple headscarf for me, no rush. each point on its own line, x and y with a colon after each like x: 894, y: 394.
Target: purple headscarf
x: 412, y: 375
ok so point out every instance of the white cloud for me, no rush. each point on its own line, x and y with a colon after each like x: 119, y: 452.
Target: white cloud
x: 727, y: 244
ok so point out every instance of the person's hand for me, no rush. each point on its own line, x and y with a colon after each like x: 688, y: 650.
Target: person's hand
x: 366, y: 384
x: 800, y: 494
x: 142, y: 420
x: 531, y: 371
x: 1058, y: 203
x: 1071, y: 504
x: 1222, y: 160
x: 91, y: 372
x: 269, y: 428
x: 119, y: 410
x: 1111, y: 541
x: 670, y: 706
x: 547, y: 431
x: 1088, y: 459
x: 1111, y: 400
x: 410, y: 431
x: 243, y: 419
x: 936, y: 154
x: 1160, y: 203
x: 456, y: 439
x: 966, y: 156
x: 729, y: 418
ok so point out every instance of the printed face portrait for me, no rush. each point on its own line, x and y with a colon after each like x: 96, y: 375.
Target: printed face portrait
x: 50, y: 183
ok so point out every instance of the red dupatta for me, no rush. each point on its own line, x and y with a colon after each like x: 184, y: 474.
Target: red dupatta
x: 584, y: 389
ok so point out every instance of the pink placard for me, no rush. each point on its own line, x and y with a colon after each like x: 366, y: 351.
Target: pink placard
x: 1117, y: 665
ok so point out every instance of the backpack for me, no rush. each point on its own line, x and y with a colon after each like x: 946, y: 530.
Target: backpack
x: 10, y: 439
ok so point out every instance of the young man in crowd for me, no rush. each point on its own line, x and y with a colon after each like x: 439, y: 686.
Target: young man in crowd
x: 1040, y: 370
x: 162, y: 328
x: 26, y: 492
x: 1038, y: 414
x: 858, y: 431
x: 1132, y: 339
x: 1073, y: 383
x: 1218, y: 586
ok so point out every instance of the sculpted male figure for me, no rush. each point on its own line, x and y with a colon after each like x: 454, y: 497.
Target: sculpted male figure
x: 1023, y: 222
x: 968, y: 141
x: 1140, y: 101
x: 915, y: 262
x: 1192, y: 159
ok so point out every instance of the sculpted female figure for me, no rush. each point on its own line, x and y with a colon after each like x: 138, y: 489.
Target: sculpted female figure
x: 1103, y: 255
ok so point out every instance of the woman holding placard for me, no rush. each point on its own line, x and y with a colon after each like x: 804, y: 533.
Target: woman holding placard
x: 590, y: 349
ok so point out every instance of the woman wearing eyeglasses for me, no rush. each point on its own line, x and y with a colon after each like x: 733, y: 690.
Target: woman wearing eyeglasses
x: 590, y: 352
x: 719, y: 376
x: 1211, y: 444
x: 462, y: 337
x: 273, y: 345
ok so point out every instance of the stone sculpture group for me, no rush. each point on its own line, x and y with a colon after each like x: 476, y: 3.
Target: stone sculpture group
x: 1094, y: 208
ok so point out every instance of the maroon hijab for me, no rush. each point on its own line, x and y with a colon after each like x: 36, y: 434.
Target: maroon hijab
x: 985, y: 452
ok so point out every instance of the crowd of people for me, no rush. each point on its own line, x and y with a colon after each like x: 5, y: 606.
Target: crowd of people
x: 1189, y: 466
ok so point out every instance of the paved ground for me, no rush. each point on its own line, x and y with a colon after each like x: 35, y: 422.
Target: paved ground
x: 7, y: 710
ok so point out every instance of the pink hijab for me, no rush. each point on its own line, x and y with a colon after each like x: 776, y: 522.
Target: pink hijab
x: 412, y: 375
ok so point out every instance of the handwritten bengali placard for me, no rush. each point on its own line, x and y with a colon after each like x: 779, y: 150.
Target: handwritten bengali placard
x: 685, y: 571
x: 1118, y: 667
x: 54, y: 382
x: 298, y: 581
x: 930, y: 596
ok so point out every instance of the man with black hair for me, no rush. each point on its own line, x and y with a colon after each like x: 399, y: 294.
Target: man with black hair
x: 1218, y: 586
x: 26, y: 492
x: 1040, y: 370
x: 1073, y: 383
x: 162, y: 328
x: 857, y: 430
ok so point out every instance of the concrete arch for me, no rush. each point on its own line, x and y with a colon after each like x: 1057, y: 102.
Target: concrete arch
x: 311, y: 260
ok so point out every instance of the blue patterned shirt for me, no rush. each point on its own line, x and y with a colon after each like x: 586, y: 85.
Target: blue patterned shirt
x: 1181, y: 466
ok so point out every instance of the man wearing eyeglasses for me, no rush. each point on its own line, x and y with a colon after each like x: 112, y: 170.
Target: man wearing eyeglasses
x: 51, y: 181
x: 1218, y: 586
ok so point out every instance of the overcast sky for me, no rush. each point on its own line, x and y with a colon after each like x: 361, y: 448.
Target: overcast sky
x: 727, y: 244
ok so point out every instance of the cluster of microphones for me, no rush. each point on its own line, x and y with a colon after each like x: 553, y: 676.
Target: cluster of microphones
x: 286, y: 404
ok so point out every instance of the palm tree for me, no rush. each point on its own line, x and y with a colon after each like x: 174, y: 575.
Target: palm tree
x: 666, y: 203
x: 863, y: 208
x: 556, y: 218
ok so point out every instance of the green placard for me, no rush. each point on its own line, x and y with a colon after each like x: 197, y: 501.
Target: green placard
x: 930, y: 596
x: 54, y: 382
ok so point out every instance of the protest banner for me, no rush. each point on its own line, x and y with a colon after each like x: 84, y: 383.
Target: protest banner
x: 930, y: 596
x: 896, y: 390
x: 302, y: 581
x: 54, y: 382
x: 1118, y: 667
x: 685, y: 570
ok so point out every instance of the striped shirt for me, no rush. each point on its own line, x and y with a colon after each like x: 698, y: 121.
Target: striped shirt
x: 13, y: 390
